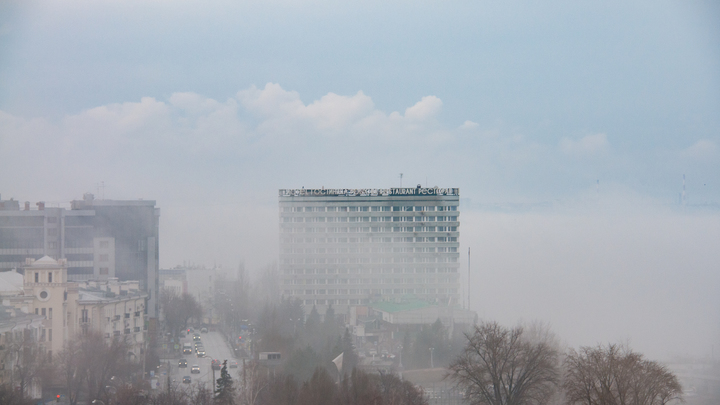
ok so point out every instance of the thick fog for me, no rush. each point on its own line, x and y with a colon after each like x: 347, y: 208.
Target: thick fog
x: 567, y: 127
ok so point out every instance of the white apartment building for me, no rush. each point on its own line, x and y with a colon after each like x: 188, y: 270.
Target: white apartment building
x: 349, y: 247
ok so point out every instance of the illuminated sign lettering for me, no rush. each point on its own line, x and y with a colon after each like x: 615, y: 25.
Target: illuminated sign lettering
x: 367, y: 192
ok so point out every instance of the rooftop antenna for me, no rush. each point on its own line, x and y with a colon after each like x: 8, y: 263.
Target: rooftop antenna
x: 682, y: 201
x: 101, y: 187
x: 401, y: 180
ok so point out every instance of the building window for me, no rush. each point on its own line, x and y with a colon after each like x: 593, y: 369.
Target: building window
x: 49, y: 313
x: 104, y: 258
x: 52, y: 245
x: 103, y: 271
x: 104, y: 244
x: 42, y: 312
x: 52, y: 220
x: 49, y: 277
x: 49, y: 335
x: 37, y: 277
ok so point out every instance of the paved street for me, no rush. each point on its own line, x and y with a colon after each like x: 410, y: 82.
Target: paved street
x: 216, y: 348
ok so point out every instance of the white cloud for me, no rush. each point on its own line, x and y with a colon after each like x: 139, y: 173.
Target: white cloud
x: 469, y: 125
x: 271, y: 101
x: 702, y: 149
x: 587, y: 145
x: 424, y: 109
x: 337, y: 112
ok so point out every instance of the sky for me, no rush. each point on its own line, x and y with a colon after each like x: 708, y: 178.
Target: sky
x: 568, y: 127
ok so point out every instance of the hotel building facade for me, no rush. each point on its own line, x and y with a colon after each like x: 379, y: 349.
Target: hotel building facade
x: 351, y: 247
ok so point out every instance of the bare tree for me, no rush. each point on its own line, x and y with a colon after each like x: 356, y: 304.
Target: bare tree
x: 71, y: 371
x: 614, y: 374
x: 31, y: 365
x: 501, y: 366
x: 88, y: 364
x: 254, y: 380
x: 9, y: 396
x: 179, y: 309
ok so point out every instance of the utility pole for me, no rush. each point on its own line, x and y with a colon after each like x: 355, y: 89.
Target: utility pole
x: 432, y: 364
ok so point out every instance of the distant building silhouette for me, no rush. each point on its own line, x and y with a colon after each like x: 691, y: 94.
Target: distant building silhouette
x: 100, y: 239
x: 350, y: 247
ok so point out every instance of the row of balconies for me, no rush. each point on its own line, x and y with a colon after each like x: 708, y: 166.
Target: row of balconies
x: 126, y: 331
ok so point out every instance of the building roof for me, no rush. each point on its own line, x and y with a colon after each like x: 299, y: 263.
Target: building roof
x: 11, y: 282
x: 89, y: 296
x: 45, y: 261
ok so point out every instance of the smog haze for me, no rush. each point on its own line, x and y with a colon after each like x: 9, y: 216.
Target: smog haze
x: 584, y: 138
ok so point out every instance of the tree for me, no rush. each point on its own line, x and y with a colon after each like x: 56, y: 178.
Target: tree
x: 88, y: 364
x: 255, y: 380
x: 302, y: 363
x: 70, y: 370
x: 282, y: 390
x: 394, y: 391
x: 30, y: 363
x: 345, y: 346
x: 500, y: 366
x: 178, y: 309
x: 9, y: 396
x: 319, y: 390
x: 614, y: 374
x: 224, y: 391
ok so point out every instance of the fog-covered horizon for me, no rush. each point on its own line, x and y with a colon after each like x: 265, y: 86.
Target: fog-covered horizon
x: 584, y: 137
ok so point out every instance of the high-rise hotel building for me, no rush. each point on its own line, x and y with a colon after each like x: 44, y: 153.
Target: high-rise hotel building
x: 350, y: 247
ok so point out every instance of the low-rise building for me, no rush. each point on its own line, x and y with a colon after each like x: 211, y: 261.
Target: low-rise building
x: 114, y: 308
x: 18, y: 334
x: 42, y: 311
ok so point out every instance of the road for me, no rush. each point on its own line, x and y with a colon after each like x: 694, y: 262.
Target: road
x: 215, y: 348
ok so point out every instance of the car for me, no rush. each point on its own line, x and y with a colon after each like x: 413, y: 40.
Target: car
x: 201, y: 353
x: 182, y: 363
x: 203, y: 330
x: 196, y: 338
x: 233, y: 364
x: 195, y: 369
x: 216, y: 364
x: 187, y: 379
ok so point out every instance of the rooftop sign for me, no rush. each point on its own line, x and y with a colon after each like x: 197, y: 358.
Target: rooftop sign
x: 367, y: 192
